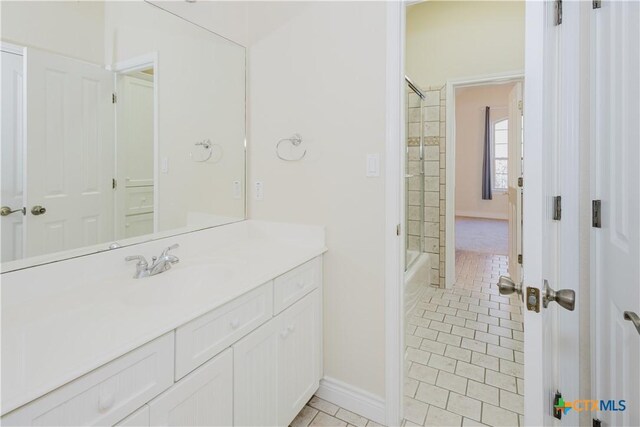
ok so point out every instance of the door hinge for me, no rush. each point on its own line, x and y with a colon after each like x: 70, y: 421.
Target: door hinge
x: 398, y: 229
x: 558, y: 12
x: 520, y: 105
x: 596, y: 213
x: 114, y: 183
x: 596, y: 4
x: 557, y: 208
x: 114, y: 98
x: 520, y: 259
x: 520, y: 181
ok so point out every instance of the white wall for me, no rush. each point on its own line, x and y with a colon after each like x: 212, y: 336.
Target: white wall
x: 470, y: 103
x: 226, y: 18
x: 201, y: 94
x: 71, y: 28
x: 455, y: 39
x: 319, y: 69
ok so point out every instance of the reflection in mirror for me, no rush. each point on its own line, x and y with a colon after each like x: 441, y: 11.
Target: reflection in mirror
x: 121, y: 122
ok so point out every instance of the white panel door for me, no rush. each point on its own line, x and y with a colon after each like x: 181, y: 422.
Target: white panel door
x: 515, y: 172
x: 255, y: 377
x: 135, y: 152
x: 298, y: 356
x: 551, y: 168
x: 616, y: 255
x: 69, y: 151
x: 12, y: 196
x: 202, y: 398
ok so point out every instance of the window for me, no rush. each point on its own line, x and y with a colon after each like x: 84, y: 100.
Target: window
x: 500, y: 154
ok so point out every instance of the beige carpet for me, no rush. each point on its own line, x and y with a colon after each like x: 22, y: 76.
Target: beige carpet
x: 489, y: 236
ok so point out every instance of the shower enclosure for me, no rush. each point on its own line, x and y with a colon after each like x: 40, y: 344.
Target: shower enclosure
x: 417, y: 261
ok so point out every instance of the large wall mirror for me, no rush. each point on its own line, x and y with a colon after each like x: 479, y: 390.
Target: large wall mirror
x: 121, y: 122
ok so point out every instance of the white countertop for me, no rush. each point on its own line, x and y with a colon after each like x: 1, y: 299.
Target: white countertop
x: 51, y: 339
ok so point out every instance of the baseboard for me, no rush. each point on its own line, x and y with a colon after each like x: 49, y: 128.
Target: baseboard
x: 353, y: 399
x: 484, y: 215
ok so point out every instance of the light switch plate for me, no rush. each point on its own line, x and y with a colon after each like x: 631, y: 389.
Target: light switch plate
x: 237, y: 190
x: 259, y: 190
x: 373, y: 165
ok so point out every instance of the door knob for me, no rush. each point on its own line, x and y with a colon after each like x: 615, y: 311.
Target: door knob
x: 38, y: 210
x: 633, y: 318
x: 6, y: 210
x: 506, y: 286
x: 566, y: 298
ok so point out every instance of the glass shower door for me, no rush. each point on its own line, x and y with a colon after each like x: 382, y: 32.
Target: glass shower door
x: 414, y: 175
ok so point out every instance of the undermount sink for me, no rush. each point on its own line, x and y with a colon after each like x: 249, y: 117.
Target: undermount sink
x: 177, y: 285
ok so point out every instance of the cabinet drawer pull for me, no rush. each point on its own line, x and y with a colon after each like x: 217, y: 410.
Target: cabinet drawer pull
x: 291, y: 328
x: 234, y: 323
x: 300, y: 285
x: 284, y: 334
x: 106, y: 402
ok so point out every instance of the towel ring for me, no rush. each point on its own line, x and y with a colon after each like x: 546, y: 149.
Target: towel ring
x: 207, y: 145
x: 296, y: 141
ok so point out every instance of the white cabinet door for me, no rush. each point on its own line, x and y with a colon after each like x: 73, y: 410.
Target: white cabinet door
x: 277, y: 367
x: 298, y: 356
x: 202, y: 398
x: 255, y: 377
x: 139, y: 418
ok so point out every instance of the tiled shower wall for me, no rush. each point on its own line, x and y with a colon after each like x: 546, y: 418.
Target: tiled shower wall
x: 434, y: 180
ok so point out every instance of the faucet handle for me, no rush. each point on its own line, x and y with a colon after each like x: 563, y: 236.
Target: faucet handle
x: 141, y: 260
x: 170, y: 248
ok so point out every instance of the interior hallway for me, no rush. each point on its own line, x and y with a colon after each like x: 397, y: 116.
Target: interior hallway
x: 465, y: 355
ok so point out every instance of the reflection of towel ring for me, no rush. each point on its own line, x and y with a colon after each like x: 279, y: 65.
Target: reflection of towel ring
x: 295, y: 141
x: 208, y: 146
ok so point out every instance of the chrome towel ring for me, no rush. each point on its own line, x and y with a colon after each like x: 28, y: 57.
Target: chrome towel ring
x: 295, y: 140
x: 207, y: 147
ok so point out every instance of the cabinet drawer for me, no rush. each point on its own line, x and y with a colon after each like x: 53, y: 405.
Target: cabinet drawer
x: 295, y: 284
x: 206, y: 336
x: 138, y: 200
x: 107, y: 394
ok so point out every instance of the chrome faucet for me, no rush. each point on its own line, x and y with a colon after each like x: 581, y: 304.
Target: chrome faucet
x: 158, y: 264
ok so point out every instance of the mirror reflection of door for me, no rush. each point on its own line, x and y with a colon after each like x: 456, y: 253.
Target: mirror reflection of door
x: 135, y: 160
x: 11, y: 224
x: 69, y: 153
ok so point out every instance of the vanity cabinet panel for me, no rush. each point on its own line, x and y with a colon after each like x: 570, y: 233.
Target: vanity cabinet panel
x: 107, y: 394
x: 298, y: 356
x: 277, y: 367
x: 295, y: 284
x: 137, y: 419
x: 255, y: 377
x: 206, y: 336
x: 202, y: 398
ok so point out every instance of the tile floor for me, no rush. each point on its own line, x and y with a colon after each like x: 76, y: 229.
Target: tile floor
x: 319, y: 412
x: 465, y: 351
x: 464, y: 356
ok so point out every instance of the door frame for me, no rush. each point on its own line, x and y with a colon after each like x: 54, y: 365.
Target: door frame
x: 450, y: 158
x: 394, y: 201
x: 140, y: 63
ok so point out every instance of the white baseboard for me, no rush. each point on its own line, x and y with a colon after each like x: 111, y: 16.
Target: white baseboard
x: 353, y: 399
x: 485, y: 215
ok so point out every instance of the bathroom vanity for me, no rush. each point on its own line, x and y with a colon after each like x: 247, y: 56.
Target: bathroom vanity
x: 230, y: 335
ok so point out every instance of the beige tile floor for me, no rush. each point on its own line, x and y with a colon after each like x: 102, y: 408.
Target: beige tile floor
x: 465, y: 351
x: 464, y: 356
x: 319, y: 412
